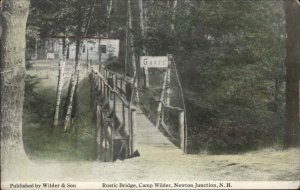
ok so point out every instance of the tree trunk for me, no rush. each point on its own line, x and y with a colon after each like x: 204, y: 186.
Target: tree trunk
x: 59, y: 90
x: 142, y: 25
x: 131, y: 42
x: 61, y: 73
x: 75, y: 75
x: 109, y: 8
x: 292, y: 73
x: 122, y: 51
x: 74, y: 81
x: 13, y: 20
x: 143, y: 35
x: 173, y: 15
x: 133, y: 60
x: 64, y: 52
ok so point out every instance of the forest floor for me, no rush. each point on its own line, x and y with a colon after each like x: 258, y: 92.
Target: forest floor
x: 160, y: 160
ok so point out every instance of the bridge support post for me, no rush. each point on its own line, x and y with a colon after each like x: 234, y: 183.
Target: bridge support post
x: 92, y: 86
x: 146, y: 72
x: 108, y: 94
x: 168, y: 86
x: 94, y: 83
x: 99, y: 85
x: 133, y: 132
x: 121, y: 86
x: 182, y: 132
x: 99, y: 134
x: 159, y: 107
x: 102, y: 87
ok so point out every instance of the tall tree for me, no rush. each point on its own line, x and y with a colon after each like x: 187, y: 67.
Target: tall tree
x: 135, y: 93
x: 173, y: 15
x: 142, y: 24
x: 13, y: 19
x: 292, y: 11
x: 143, y: 36
x: 83, y: 25
x: 75, y: 74
x: 60, y: 81
x: 131, y: 40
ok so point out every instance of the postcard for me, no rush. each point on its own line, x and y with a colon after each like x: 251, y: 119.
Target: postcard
x: 150, y: 94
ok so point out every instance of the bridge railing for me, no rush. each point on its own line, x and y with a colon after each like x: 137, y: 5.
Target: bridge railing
x: 114, y: 116
x: 124, y: 84
x: 172, y: 121
x: 170, y: 118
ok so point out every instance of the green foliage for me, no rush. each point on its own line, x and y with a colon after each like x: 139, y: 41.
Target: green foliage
x: 43, y: 142
x: 229, y: 55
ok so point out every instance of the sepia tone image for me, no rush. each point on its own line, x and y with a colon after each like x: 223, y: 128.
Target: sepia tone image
x: 149, y: 94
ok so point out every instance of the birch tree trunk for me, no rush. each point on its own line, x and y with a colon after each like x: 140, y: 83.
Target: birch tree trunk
x: 292, y: 11
x: 173, y: 15
x: 59, y: 90
x: 109, y: 8
x: 13, y: 20
x: 74, y: 82
x: 75, y: 75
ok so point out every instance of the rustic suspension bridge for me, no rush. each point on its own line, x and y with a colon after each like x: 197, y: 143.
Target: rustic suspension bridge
x: 122, y: 130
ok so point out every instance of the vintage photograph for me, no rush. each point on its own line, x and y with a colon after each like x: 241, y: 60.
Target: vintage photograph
x: 150, y: 94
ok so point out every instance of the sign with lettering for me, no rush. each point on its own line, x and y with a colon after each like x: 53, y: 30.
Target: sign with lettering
x: 154, y: 61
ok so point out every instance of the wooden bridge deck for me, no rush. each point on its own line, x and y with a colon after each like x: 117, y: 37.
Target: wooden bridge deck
x: 149, y: 140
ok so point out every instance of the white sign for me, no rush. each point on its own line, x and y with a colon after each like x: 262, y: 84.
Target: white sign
x: 154, y: 61
x: 50, y: 56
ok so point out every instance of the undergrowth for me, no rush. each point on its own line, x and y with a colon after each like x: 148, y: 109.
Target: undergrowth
x: 41, y: 140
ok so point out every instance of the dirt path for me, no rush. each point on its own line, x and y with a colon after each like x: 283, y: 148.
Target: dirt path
x: 160, y: 160
x: 168, y: 164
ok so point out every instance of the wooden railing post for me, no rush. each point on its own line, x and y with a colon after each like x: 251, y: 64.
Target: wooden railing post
x: 168, y: 87
x: 98, y: 134
x: 92, y: 88
x: 182, y: 131
x: 108, y: 94
x: 129, y: 131
x: 114, y: 93
x: 100, y: 85
x: 104, y: 88
x: 112, y: 144
x: 146, y: 72
x: 114, y: 105
x: 162, y: 114
x: 123, y: 114
x: 133, y: 131
x: 159, y: 107
x: 113, y: 78
x: 121, y: 86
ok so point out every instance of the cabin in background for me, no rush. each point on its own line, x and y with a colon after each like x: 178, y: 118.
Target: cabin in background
x: 92, y: 49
